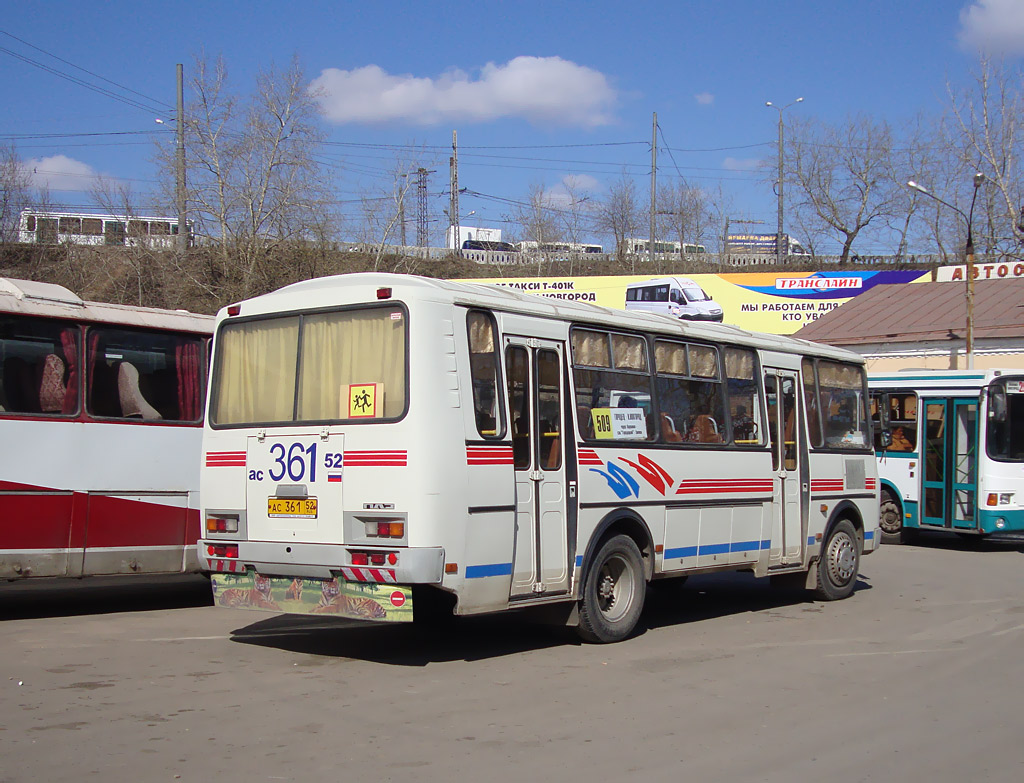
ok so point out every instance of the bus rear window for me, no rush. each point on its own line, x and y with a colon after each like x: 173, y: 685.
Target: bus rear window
x: 350, y: 365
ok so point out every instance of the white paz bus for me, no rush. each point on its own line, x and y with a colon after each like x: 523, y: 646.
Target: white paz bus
x: 374, y: 441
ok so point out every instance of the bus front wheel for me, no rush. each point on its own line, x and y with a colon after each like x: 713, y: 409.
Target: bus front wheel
x: 613, y: 592
x: 839, y: 563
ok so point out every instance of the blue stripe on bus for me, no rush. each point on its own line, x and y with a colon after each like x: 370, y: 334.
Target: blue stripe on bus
x: 682, y: 551
x: 716, y: 549
x: 811, y: 541
x: 869, y: 534
x: 494, y: 569
x: 579, y: 561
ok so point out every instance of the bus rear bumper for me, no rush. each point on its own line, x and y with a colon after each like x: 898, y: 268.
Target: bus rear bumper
x: 413, y: 565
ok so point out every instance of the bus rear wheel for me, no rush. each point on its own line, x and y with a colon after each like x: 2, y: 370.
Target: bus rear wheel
x: 613, y: 592
x: 839, y: 563
x: 890, y: 519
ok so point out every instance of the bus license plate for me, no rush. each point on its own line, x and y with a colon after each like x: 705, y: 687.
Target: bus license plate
x: 291, y: 508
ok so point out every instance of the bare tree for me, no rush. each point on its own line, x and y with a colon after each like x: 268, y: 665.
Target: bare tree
x: 619, y: 214
x: 839, y: 176
x: 538, y: 217
x: 572, y: 215
x: 254, y: 181
x: 685, y: 214
x: 141, y: 285
x: 15, y: 192
x: 988, y: 121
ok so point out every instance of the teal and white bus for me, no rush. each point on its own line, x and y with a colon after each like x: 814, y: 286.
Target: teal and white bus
x: 950, y: 447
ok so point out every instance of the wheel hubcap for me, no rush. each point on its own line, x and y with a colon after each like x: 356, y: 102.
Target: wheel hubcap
x: 615, y: 588
x: 890, y: 518
x: 842, y: 558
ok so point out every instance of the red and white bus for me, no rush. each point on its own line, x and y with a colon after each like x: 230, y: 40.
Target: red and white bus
x: 376, y: 441
x: 101, y: 408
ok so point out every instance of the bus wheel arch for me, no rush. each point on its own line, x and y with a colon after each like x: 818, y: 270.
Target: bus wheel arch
x: 627, y: 522
x: 614, y: 578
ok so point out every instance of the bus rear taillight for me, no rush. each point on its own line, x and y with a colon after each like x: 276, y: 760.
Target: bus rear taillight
x: 222, y: 550
x: 374, y: 558
x: 221, y: 524
x: 386, y: 529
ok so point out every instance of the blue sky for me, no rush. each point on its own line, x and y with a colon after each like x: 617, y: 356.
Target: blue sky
x: 520, y: 82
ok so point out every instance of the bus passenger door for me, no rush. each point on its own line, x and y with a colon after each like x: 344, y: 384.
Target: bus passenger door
x: 790, y: 483
x: 535, y: 394
x: 950, y: 463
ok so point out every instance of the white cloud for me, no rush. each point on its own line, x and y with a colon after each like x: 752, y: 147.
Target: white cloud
x: 542, y: 90
x: 993, y: 26
x: 581, y: 185
x: 704, y: 98
x: 59, y: 172
x: 741, y: 164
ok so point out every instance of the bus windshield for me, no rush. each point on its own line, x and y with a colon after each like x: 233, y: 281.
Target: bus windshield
x: 1006, y: 420
x: 350, y: 366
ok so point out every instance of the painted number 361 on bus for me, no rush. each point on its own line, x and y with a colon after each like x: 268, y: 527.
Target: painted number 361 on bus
x: 292, y: 461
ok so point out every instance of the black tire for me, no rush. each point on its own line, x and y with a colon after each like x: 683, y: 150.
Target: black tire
x: 890, y: 518
x: 839, y: 563
x: 613, y: 592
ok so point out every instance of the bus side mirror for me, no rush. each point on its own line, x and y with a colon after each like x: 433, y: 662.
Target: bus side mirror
x: 885, y: 438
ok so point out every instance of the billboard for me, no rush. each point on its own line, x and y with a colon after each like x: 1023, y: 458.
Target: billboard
x: 774, y: 302
x: 1002, y: 270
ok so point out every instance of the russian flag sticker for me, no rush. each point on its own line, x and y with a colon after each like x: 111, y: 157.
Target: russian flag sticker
x: 333, y: 477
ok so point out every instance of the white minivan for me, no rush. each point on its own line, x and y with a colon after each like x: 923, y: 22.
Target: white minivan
x: 678, y: 296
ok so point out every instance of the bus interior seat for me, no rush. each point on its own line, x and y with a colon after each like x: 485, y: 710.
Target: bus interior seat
x: 133, y: 404
x: 705, y: 429
x: 669, y: 433
x: 52, y: 387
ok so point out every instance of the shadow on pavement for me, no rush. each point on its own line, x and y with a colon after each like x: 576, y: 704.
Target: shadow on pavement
x: 491, y: 636
x: 38, y: 598
x: 961, y: 542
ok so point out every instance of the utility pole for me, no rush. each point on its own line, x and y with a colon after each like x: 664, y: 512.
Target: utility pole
x: 654, y: 176
x: 453, y: 205
x: 401, y: 204
x: 421, y: 207
x: 179, y: 185
x: 778, y: 237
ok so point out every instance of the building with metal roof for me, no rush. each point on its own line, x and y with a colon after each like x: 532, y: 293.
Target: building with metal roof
x: 924, y: 325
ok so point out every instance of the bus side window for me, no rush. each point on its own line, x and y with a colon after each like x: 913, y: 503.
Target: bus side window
x: 483, y: 367
x: 40, y: 367
x: 132, y: 374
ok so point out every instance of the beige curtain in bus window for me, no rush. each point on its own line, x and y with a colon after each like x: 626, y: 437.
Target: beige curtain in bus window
x: 255, y: 375
x: 354, y: 347
x: 629, y: 353
x: 670, y: 358
x: 703, y: 362
x: 590, y: 349
x: 739, y: 364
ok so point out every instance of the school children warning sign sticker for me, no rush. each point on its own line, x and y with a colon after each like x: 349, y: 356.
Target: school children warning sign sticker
x: 363, y: 399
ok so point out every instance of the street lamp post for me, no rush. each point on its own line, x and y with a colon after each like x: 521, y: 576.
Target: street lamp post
x: 778, y: 237
x: 969, y: 257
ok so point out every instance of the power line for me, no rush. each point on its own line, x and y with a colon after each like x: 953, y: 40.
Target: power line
x: 85, y: 70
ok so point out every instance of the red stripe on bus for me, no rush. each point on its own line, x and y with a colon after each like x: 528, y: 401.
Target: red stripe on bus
x: 66, y: 520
